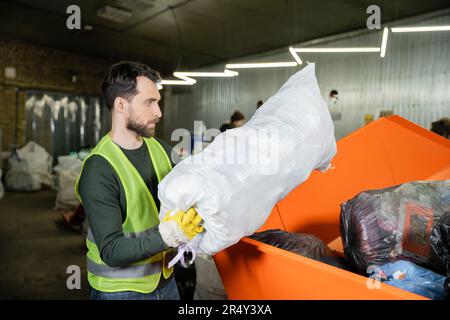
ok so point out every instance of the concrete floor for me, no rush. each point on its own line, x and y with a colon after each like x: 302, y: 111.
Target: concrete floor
x: 36, y: 249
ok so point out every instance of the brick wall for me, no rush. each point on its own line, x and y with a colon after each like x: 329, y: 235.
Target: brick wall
x: 40, y: 68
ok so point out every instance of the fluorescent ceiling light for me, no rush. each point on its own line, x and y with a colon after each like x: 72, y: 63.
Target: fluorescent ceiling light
x: 260, y: 65
x: 225, y: 74
x: 176, y: 83
x: 295, y: 55
x: 421, y: 29
x: 320, y: 50
x: 186, y: 79
x: 384, y: 42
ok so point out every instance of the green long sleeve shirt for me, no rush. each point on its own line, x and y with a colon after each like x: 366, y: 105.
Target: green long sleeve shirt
x: 104, y: 202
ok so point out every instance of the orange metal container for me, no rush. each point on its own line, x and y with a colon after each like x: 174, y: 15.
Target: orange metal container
x: 387, y: 152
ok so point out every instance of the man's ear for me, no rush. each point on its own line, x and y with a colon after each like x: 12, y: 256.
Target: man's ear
x: 120, y: 104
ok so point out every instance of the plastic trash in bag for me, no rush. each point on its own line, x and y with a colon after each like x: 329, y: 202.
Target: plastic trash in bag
x: 440, y: 242
x: 29, y: 168
x: 306, y: 245
x: 410, y: 277
x: 235, y: 181
x: 392, y: 224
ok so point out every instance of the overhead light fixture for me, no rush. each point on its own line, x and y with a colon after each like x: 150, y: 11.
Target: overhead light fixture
x: 176, y: 83
x: 187, y: 80
x: 115, y: 14
x: 225, y: 74
x: 260, y: 65
x: 421, y: 29
x: 384, y: 42
x: 337, y: 50
x: 298, y: 60
x: 295, y: 55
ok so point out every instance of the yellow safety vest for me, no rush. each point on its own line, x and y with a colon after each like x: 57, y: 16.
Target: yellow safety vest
x: 141, y: 215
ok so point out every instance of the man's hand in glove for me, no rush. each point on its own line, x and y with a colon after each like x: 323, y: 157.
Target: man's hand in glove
x: 180, y: 227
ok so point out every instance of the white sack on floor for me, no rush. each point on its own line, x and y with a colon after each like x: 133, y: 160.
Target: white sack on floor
x: 66, y: 199
x: 29, y: 169
x: 236, y: 181
x: 67, y: 172
x: 68, y: 163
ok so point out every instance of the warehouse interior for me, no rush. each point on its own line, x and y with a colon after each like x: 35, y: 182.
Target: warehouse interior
x: 387, y: 99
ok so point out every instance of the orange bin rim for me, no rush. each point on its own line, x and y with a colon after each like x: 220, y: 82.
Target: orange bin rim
x: 387, y: 152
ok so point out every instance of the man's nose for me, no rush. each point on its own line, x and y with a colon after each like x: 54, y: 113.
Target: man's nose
x: 157, y: 112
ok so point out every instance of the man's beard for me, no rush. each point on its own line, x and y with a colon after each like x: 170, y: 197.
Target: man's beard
x: 141, y: 129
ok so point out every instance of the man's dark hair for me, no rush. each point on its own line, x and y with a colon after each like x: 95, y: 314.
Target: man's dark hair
x: 121, y: 80
x: 236, y: 116
x: 333, y: 92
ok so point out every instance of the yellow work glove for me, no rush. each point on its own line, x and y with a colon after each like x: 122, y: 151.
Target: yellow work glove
x: 188, y: 222
x: 180, y: 227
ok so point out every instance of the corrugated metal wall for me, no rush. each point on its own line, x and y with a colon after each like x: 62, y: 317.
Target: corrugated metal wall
x: 413, y: 80
x: 62, y: 122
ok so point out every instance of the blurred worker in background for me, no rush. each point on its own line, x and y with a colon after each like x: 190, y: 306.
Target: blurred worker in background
x: 334, y: 96
x: 128, y: 247
x: 237, y: 120
x: 259, y: 104
x: 336, y: 113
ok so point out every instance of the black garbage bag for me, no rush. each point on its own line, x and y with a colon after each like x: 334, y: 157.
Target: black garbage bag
x: 440, y: 242
x: 303, y: 244
x: 382, y: 226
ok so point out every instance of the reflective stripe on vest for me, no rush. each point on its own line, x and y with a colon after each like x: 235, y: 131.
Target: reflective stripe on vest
x: 141, y: 216
x: 133, y: 271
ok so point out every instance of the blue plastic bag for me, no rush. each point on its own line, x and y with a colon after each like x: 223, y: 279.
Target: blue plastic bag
x: 410, y: 277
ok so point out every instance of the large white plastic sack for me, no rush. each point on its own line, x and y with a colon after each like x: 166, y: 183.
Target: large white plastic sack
x: 22, y: 181
x: 29, y: 169
x: 38, y: 160
x: 68, y: 163
x: 67, y: 171
x: 66, y: 199
x: 295, y: 136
